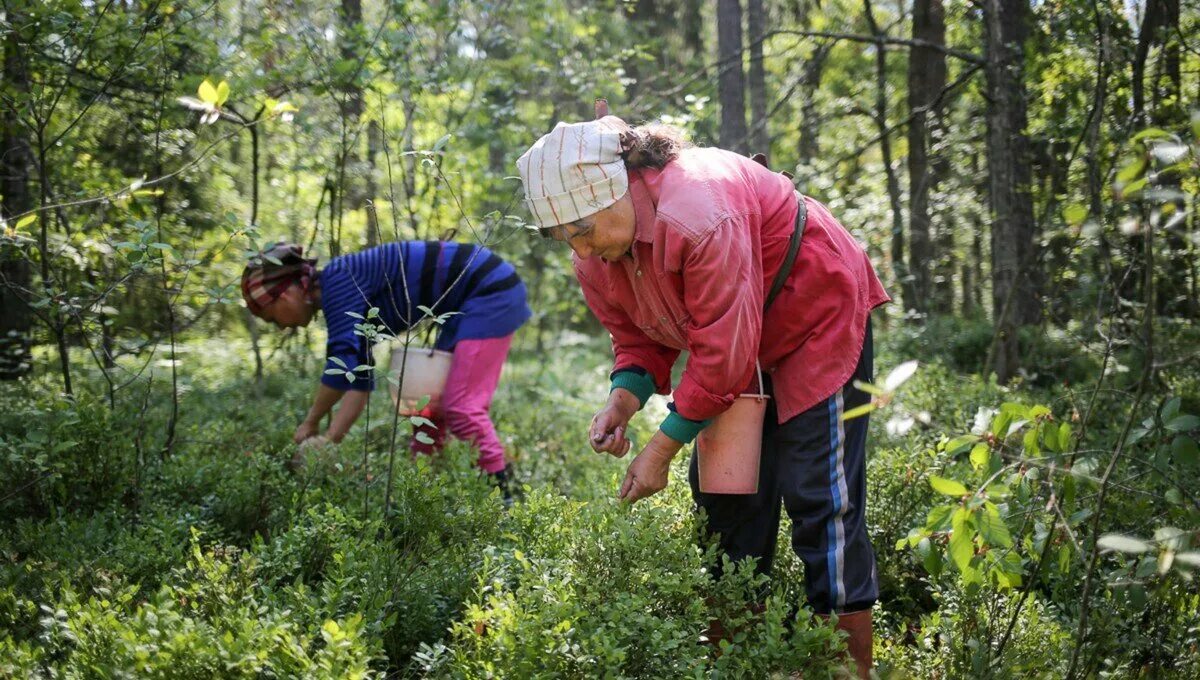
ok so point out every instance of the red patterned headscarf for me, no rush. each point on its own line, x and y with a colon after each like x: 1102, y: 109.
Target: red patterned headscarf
x: 272, y: 271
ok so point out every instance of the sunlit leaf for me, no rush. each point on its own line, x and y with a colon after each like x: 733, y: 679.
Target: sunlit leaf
x: 207, y: 93
x: 868, y: 388
x: 194, y: 104
x: 1135, y: 187
x: 1075, y: 214
x: 1120, y: 543
x: 858, y: 411
x: 992, y: 528
x: 1132, y: 170
x: 981, y: 455
x: 962, y: 545
x: 25, y: 221
x: 222, y: 93
x: 899, y: 375
x: 1151, y: 133
x: 947, y: 487
x: 1171, y: 538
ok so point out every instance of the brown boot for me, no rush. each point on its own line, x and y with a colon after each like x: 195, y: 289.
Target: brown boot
x: 861, y: 639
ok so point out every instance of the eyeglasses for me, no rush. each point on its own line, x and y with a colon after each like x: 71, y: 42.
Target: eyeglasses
x: 567, y: 233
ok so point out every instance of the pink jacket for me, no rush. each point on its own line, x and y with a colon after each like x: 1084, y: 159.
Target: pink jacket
x: 712, y: 229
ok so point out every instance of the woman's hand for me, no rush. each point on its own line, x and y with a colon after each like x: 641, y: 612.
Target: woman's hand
x: 647, y: 474
x: 607, y: 431
x: 306, y: 430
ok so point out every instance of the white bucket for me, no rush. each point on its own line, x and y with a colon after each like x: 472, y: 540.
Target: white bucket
x: 424, y: 373
x: 729, y: 449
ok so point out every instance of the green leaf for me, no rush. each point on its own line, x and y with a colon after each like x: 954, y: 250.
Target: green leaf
x: 981, y: 455
x: 962, y: 547
x: 1184, y: 423
x: 1185, y: 451
x: 1151, y: 133
x: 1170, y: 408
x: 858, y: 411
x: 947, y: 487
x: 1075, y: 214
x: 959, y: 444
x: 933, y: 563
x: 1196, y: 125
x: 1133, y: 188
x: 25, y: 221
x: 1030, y: 442
x: 423, y: 438
x: 992, y: 528
x: 938, y: 518
x: 441, y: 143
x: 1120, y: 543
x: 222, y: 93
x: 207, y: 93
x: 1188, y: 558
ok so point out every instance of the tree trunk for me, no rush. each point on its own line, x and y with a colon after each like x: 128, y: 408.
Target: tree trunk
x: 374, y: 144
x: 15, y: 160
x: 926, y: 79
x: 731, y: 82
x: 899, y: 265
x: 354, y: 188
x: 693, y: 29
x: 756, y: 24
x: 1173, y: 293
x: 1014, y: 302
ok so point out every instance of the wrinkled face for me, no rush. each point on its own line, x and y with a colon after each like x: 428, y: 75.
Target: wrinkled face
x: 607, y: 234
x: 292, y: 309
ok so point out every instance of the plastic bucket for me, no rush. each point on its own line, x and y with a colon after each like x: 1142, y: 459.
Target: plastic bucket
x: 424, y: 372
x: 729, y: 449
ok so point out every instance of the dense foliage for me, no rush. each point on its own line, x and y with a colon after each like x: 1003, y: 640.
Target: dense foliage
x: 1024, y: 175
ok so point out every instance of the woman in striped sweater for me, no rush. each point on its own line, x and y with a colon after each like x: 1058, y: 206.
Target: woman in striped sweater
x: 405, y: 282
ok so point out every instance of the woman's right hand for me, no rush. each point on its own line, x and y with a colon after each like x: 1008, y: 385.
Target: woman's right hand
x: 607, y: 432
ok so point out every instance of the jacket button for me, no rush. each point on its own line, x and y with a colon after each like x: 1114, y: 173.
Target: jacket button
x: 662, y: 319
x: 639, y: 272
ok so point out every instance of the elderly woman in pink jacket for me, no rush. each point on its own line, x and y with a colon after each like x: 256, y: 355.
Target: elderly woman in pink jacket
x: 679, y: 248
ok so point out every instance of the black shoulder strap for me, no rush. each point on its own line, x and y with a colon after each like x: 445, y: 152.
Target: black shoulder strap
x: 789, y: 261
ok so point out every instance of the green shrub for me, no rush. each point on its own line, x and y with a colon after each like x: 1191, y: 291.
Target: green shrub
x: 213, y: 624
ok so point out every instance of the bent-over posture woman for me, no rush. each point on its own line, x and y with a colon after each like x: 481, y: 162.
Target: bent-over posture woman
x: 679, y: 248
x: 483, y: 295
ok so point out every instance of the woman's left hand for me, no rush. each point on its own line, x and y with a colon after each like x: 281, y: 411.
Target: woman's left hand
x: 648, y: 472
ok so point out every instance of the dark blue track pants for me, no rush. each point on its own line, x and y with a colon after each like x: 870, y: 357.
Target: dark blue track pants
x: 815, y: 465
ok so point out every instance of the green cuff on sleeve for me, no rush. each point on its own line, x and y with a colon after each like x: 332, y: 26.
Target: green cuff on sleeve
x: 642, y: 386
x: 681, y: 429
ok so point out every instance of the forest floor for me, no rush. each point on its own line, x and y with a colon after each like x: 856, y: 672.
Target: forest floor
x: 213, y: 560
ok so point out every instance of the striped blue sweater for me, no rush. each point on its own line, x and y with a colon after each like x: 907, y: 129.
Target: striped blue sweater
x: 484, y: 292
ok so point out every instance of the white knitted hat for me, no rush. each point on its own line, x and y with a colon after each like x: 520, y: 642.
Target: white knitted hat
x: 574, y: 171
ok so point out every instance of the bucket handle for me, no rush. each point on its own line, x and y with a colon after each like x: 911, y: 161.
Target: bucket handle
x: 762, y: 387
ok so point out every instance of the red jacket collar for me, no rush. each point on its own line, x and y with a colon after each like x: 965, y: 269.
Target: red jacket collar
x: 644, y: 189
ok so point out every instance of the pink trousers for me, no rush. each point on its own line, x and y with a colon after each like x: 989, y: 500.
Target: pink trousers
x: 463, y: 409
